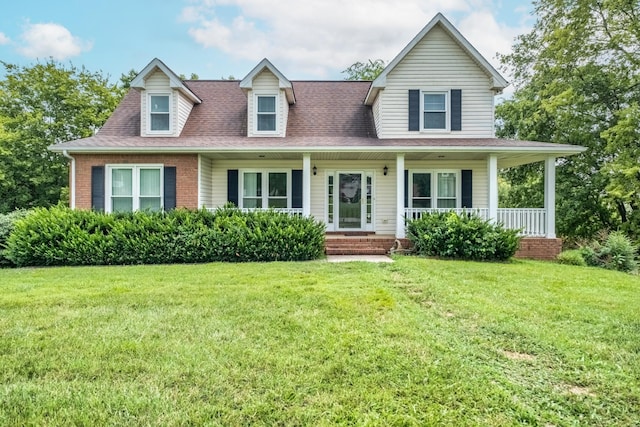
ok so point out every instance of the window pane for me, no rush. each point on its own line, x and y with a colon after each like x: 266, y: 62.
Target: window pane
x: 447, y: 203
x: 435, y: 120
x: 266, y: 122
x: 252, y: 185
x: 277, y: 203
x: 447, y: 185
x: 122, y: 204
x: 421, y: 185
x: 159, y: 104
x: 266, y: 104
x: 421, y: 203
x: 434, y: 102
x: 121, y: 184
x: 277, y: 184
x: 149, y: 182
x: 251, y: 203
x: 150, y: 203
x: 160, y: 121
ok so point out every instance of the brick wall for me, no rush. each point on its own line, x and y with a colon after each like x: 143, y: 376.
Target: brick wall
x: 539, y: 248
x: 186, y: 174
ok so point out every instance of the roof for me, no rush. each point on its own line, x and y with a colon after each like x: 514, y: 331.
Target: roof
x: 175, y: 82
x: 283, y: 82
x: 497, y: 81
x: 328, y: 117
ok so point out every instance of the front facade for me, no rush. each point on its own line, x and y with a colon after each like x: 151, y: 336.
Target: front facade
x: 359, y: 156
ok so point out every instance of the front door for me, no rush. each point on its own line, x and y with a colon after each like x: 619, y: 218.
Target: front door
x: 350, y: 201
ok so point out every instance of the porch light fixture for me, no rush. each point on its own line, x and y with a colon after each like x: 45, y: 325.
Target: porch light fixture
x: 315, y: 170
x: 385, y: 170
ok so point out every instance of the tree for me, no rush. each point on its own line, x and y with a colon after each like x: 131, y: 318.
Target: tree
x: 577, y: 78
x: 364, y: 70
x: 40, y: 105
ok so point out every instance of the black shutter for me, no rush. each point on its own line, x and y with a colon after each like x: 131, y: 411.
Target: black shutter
x: 296, y: 188
x: 406, y: 188
x: 169, y: 188
x: 467, y: 189
x: 232, y: 186
x: 456, y: 109
x: 414, y: 109
x: 97, y: 188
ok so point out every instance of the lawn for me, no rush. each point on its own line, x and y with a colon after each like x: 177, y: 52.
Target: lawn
x: 415, y: 342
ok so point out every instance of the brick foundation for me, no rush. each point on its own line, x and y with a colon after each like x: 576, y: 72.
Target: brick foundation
x: 539, y: 248
x: 186, y: 174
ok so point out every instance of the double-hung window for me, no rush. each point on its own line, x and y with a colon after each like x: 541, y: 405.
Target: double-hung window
x: 159, y: 113
x: 434, y: 110
x: 434, y: 189
x: 134, y: 188
x: 265, y: 189
x: 266, y: 113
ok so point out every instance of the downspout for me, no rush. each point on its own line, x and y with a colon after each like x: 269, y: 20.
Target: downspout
x: 72, y: 181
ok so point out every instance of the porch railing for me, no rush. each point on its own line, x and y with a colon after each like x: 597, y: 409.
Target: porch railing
x: 532, y: 221
x: 290, y: 211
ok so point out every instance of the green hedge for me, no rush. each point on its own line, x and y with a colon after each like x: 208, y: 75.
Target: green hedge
x: 7, y: 222
x: 466, y: 236
x: 61, y: 236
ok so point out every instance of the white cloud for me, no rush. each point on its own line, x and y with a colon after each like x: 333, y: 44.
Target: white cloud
x: 51, y: 40
x: 317, y: 37
x: 4, y: 39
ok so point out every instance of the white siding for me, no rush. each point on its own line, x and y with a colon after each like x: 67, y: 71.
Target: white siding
x: 265, y: 83
x: 437, y: 63
x: 377, y: 119
x: 205, y: 182
x: 180, y: 106
x: 183, y: 107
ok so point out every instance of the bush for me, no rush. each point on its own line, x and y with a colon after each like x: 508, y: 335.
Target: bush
x: 571, y: 257
x: 7, y: 223
x: 468, y: 236
x: 614, y: 252
x: 61, y: 236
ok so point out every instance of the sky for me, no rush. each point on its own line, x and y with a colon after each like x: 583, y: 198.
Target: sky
x: 304, y: 39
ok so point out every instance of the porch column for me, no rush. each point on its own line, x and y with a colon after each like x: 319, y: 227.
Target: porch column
x: 400, y: 233
x: 306, y: 184
x: 492, y: 173
x: 550, y: 196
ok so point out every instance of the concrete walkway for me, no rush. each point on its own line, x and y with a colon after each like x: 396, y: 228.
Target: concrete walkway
x: 365, y: 258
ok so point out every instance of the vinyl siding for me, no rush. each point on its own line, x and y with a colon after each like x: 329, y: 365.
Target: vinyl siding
x: 180, y: 107
x: 437, y: 63
x: 265, y: 83
x: 377, y: 118
x: 205, y: 181
x: 183, y: 107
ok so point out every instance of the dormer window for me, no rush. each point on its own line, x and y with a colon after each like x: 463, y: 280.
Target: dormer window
x: 266, y: 113
x: 434, y: 111
x: 159, y: 113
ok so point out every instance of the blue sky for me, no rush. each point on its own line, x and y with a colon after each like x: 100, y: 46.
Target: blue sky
x: 305, y: 39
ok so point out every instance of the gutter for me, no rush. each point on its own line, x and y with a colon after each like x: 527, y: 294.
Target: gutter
x: 72, y: 181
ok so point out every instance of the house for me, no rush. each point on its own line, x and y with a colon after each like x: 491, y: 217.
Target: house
x: 360, y: 156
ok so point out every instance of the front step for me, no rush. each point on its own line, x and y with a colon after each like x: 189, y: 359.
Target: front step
x: 348, y: 245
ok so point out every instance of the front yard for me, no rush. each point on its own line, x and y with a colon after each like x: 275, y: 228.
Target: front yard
x: 416, y: 342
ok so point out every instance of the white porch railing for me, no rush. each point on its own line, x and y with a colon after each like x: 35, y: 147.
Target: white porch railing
x: 532, y: 221
x: 290, y: 211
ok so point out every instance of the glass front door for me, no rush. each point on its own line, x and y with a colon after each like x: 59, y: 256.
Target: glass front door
x: 350, y: 201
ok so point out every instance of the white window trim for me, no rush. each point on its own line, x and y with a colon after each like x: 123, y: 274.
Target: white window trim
x: 135, y: 176
x: 256, y: 95
x: 434, y: 185
x: 265, y: 186
x: 148, y: 118
x: 447, y: 110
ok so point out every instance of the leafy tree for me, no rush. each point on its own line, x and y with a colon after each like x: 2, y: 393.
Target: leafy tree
x: 577, y: 77
x: 364, y: 70
x: 40, y: 105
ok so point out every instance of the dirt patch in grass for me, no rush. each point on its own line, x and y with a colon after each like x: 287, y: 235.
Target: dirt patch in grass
x: 514, y: 355
x: 580, y: 391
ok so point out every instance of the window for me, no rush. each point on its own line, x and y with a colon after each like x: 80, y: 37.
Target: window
x: 434, y: 111
x: 134, y: 188
x: 266, y: 113
x: 159, y: 117
x: 441, y: 192
x: 265, y: 190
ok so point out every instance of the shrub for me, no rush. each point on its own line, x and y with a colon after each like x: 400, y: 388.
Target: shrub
x: 7, y: 223
x: 614, y: 251
x: 61, y: 236
x: 467, y: 236
x: 571, y: 257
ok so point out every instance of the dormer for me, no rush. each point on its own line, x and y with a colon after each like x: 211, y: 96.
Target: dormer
x: 165, y: 101
x: 269, y: 95
x: 439, y: 86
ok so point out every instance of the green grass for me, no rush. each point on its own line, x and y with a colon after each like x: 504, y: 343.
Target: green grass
x: 416, y: 342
